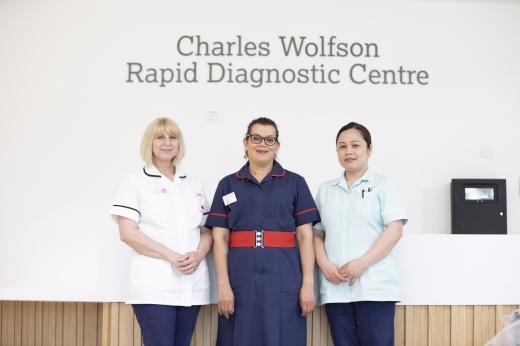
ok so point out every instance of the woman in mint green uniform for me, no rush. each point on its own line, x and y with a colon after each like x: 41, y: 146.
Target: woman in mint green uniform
x: 362, y: 218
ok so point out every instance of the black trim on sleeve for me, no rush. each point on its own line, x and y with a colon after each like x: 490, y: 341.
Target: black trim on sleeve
x: 205, y: 213
x: 182, y: 177
x: 150, y: 175
x: 124, y: 206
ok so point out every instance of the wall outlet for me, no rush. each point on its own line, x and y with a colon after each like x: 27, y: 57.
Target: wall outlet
x: 486, y: 151
x: 212, y: 116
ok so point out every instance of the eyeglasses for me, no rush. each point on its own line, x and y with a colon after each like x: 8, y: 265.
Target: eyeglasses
x: 257, y: 139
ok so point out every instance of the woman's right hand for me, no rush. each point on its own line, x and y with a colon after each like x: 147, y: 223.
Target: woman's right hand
x: 331, y: 272
x: 226, y: 301
x: 189, y: 262
x: 175, y: 259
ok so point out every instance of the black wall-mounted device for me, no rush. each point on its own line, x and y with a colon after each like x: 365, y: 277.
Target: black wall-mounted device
x: 478, y: 206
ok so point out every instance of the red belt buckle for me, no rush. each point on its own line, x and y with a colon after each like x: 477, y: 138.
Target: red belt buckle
x: 259, y: 238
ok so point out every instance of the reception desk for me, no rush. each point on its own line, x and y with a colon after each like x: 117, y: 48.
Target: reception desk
x: 436, y: 269
x: 449, y: 269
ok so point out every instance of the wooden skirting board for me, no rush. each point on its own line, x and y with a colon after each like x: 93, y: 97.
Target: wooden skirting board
x: 113, y: 324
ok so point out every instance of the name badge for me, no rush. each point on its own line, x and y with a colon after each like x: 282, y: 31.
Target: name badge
x: 229, y: 198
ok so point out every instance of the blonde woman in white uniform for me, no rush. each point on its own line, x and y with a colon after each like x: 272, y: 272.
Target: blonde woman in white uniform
x: 159, y: 211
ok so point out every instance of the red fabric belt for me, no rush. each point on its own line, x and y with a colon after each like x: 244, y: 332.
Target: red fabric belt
x: 265, y: 238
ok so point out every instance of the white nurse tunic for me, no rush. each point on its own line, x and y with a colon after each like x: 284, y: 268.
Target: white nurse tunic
x: 171, y: 213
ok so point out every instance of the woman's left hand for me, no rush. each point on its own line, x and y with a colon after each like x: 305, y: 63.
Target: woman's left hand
x: 307, y: 300
x: 189, y: 262
x: 352, y: 270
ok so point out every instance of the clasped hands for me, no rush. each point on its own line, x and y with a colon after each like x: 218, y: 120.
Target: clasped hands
x: 348, y: 272
x: 187, y: 263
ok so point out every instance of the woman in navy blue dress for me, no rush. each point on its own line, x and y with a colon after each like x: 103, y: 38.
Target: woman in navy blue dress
x: 262, y: 219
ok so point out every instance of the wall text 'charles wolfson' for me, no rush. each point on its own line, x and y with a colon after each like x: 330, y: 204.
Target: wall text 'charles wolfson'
x: 251, y: 65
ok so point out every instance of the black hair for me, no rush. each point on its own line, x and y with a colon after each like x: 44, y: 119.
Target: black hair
x: 364, y: 132
x: 262, y: 121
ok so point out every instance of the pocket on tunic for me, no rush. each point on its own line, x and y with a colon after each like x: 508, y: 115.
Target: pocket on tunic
x: 369, y: 206
x: 383, y: 274
x: 282, y: 207
x: 155, y: 207
x: 148, y: 273
x: 290, y: 271
x: 240, y: 265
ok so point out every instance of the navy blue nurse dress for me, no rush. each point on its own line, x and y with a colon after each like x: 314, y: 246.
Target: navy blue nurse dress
x: 266, y: 281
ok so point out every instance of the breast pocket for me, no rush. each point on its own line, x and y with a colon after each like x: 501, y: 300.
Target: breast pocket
x: 155, y: 207
x: 241, y: 211
x: 334, y: 211
x: 279, y: 208
x: 368, y: 205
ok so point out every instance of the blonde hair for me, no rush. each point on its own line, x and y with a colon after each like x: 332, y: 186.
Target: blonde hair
x: 156, y: 128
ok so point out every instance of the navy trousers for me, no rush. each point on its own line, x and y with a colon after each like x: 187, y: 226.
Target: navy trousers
x: 165, y: 325
x: 361, y: 323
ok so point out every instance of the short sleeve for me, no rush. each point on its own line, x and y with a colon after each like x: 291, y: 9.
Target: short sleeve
x: 318, y: 225
x: 392, y: 206
x: 305, y: 208
x: 126, y: 202
x: 218, y: 215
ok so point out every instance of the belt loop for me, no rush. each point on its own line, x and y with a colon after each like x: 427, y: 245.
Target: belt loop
x: 259, y: 238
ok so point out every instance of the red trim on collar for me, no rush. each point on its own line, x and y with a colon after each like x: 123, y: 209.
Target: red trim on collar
x: 238, y: 176
x: 305, y: 211
x: 278, y: 174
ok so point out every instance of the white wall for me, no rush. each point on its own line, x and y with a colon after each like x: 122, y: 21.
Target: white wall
x: 70, y: 126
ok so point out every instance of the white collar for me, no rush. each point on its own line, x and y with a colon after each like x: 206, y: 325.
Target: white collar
x: 152, y: 172
x: 366, y: 178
